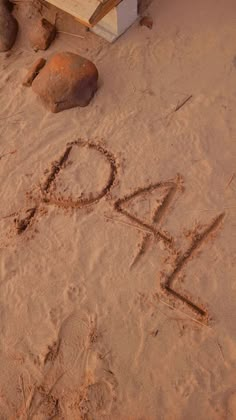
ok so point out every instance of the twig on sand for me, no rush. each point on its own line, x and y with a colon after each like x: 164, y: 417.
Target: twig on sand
x: 10, y: 116
x: 230, y: 180
x: 69, y: 33
x: 183, y: 313
x: 8, y: 216
x: 23, y: 391
x: 129, y: 224
x: 198, y: 322
x: 214, y: 210
x: 22, y: 412
x: 178, y: 107
x: 220, y: 350
x: 8, y: 153
x: 105, y: 355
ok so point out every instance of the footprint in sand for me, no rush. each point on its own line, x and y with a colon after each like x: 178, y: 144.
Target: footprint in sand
x: 96, y: 400
x: 84, y: 361
x: 56, y: 315
x: 74, y: 292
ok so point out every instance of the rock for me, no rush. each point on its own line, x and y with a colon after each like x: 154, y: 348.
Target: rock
x: 42, y: 34
x: 66, y: 81
x: 146, y: 21
x: 34, y: 71
x: 7, y: 4
x: 8, y: 28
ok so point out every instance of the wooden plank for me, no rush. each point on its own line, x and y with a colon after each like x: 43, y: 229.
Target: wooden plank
x: 88, y: 12
x: 81, y: 9
x: 107, y: 18
x: 102, y: 10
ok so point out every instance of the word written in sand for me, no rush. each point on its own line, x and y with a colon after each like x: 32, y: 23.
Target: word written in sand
x: 151, y: 231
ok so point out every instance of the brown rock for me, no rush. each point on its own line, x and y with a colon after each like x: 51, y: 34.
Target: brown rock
x: 33, y: 71
x: 8, y: 28
x: 67, y: 80
x: 42, y: 34
x: 146, y: 21
x: 7, y: 4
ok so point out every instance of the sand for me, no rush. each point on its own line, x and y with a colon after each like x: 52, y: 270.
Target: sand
x: 117, y: 274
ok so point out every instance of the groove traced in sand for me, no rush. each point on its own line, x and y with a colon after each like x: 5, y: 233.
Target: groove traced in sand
x: 56, y: 168
x: 157, y: 217
x: 184, y: 259
x: 118, y: 206
x: 49, y: 196
x: 22, y: 224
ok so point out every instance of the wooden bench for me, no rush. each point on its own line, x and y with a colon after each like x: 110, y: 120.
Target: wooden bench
x: 107, y: 18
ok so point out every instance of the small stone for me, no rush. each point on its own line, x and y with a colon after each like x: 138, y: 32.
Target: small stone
x: 42, y: 34
x: 146, y: 21
x: 33, y: 71
x: 8, y: 28
x: 66, y: 81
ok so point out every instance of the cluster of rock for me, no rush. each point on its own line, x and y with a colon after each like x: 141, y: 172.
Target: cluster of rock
x: 67, y: 80
x: 8, y: 26
x: 42, y: 32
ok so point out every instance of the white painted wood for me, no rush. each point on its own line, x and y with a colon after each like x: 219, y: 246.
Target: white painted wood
x: 127, y: 13
x: 116, y: 22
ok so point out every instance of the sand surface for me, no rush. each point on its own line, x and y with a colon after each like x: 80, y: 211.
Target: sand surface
x: 146, y: 199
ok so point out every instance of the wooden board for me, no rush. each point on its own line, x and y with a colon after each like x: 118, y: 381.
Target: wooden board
x: 108, y: 18
x: 89, y: 12
x: 102, y: 10
x: 81, y: 10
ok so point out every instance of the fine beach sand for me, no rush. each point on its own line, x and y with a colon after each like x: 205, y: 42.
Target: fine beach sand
x: 145, y: 198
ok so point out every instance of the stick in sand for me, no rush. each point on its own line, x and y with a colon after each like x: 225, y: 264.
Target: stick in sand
x: 178, y: 107
x: 69, y: 33
x: 10, y: 116
x: 129, y: 224
x: 184, y: 313
x: 23, y: 391
x: 8, y: 153
x: 230, y: 180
